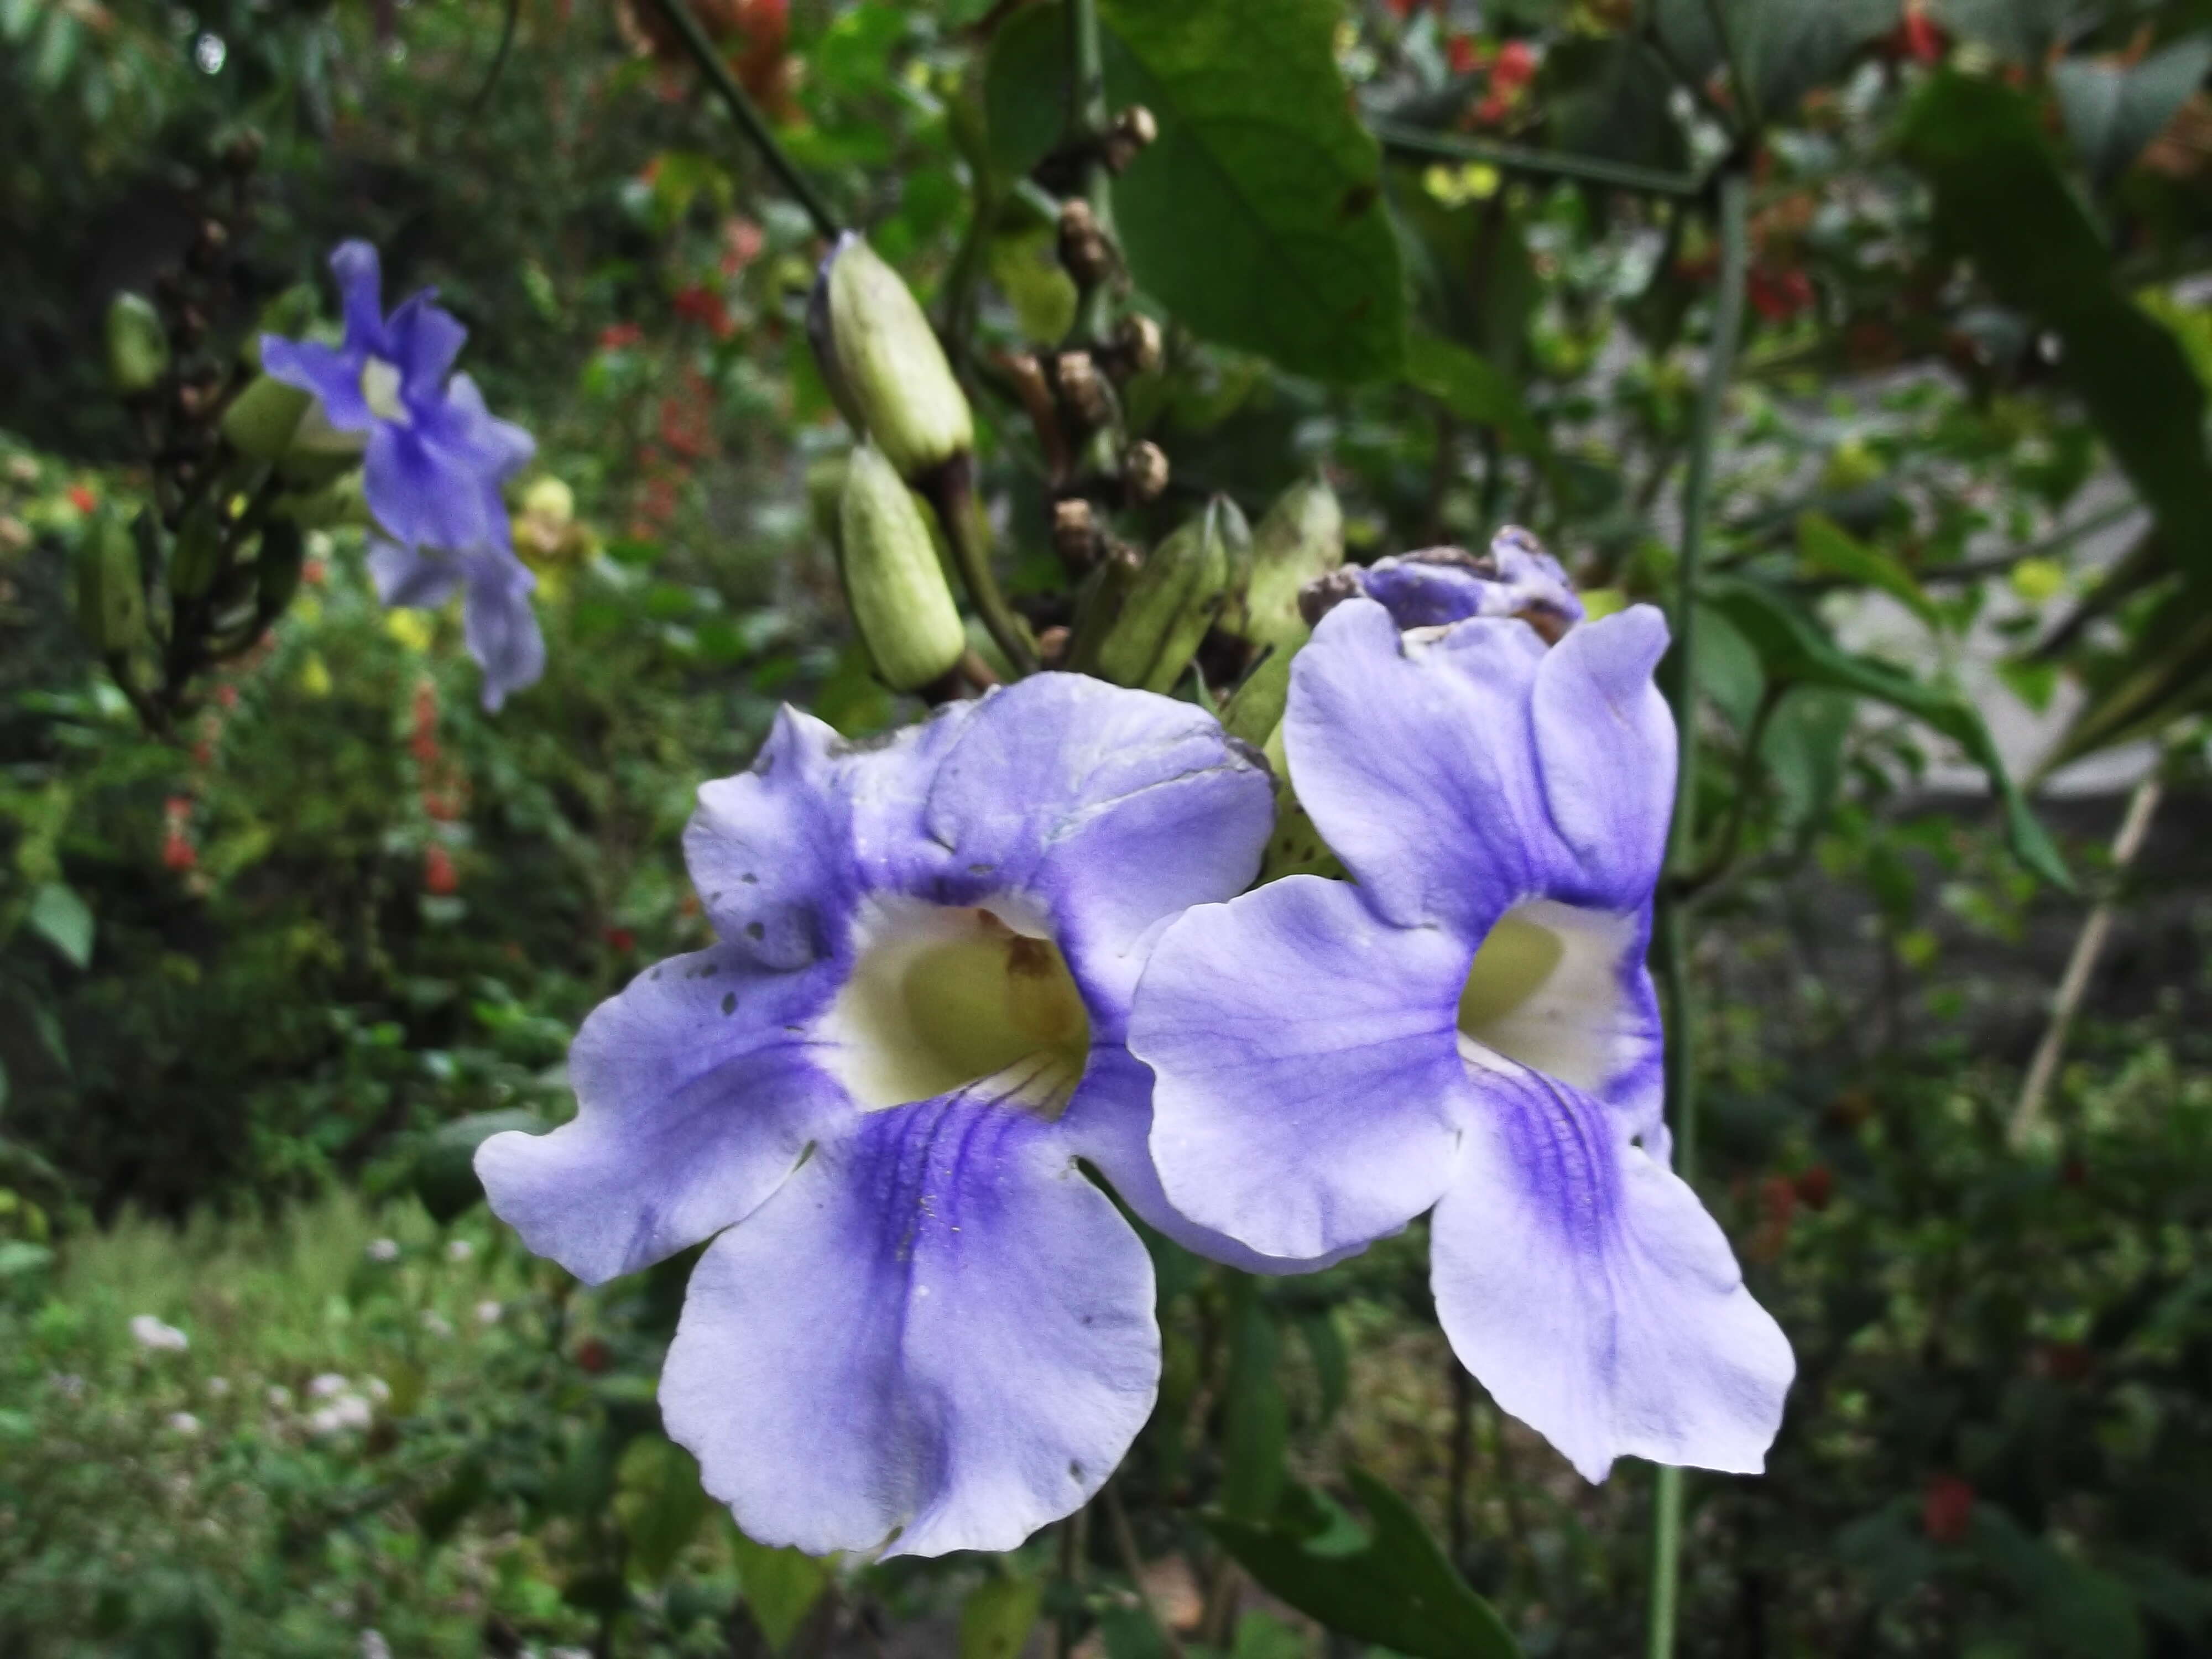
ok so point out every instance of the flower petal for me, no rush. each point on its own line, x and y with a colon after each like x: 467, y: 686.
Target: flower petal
x: 360, y: 293
x: 406, y: 578
x: 1115, y: 809
x: 499, y: 625
x: 1587, y: 1288
x: 694, y: 1099
x: 498, y: 448
x: 422, y: 494
x: 1110, y: 1121
x: 937, y: 1328
x: 1605, y: 742
x: 1308, y: 1079
x: 425, y: 339
x: 329, y: 375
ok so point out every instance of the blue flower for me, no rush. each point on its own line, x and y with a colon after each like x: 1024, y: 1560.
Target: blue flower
x: 1469, y: 1026
x: 1439, y: 585
x: 920, y: 1327
x: 434, y: 455
x: 499, y: 625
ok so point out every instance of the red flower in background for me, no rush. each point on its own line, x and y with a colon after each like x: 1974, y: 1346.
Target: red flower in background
x: 1516, y: 66
x: 1464, y: 54
x: 81, y: 498
x: 700, y: 304
x: 1947, y: 1509
x: 620, y: 940
x: 1779, y: 295
x: 620, y: 337
x: 439, y: 875
x: 1816, y: 1185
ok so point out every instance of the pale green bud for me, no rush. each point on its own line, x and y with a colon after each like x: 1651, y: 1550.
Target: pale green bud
x: 1173, y: 600
x: 1300, y: 539
x: 137, y: 344
x: 111, y: 595
x: 264, y: 418
x: 882, y: 361
x: 893, y: 581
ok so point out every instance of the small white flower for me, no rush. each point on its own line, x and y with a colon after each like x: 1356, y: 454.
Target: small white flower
x: 324, y: 1387
x: 218, y: 1388
x: 436, y: 1323
x: 373, y: 1646
x: 184, y: 1423
x: 279, y: 1396
x: 347, y: 1412
x: 459, y: 1250
x: 383, y: 1249
x: 378, y: 1390
x: 68, y: 1384
x: 488, y: 1313
x: 151, y: 1334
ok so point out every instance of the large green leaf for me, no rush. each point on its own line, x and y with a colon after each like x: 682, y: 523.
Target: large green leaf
x: 1389, y: 1584
x: 1783, y: 48
x: 1258, y: 1427
x: 1474, y: 389
x: 1825, y: 548
x: 1610, y: 96
x: 2001, y: 197
x: 1256, y: 217
x: 1795, y: 648
x: 2113, y: 111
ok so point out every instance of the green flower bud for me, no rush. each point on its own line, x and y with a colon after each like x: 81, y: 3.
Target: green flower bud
x: 137, y: 344
x: 111, y: 595
x: 1301, y: 539
x: 893, y: 581
x: 882, y: 361
x: 197, y: 557
x: 1174, y: 599
x: 264, y: 418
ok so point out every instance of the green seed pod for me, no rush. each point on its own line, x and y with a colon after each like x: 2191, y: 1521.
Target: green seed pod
x: 137, y: 344
x: 111, y: 596
x: 893, y: 581
x: 1301, y: 539
x: 882, y: 361
x: 264, y: 418
x: 1173, y: 600
x: 198, y: 558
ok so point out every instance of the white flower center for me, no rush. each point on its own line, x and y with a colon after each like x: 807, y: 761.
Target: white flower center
x: 379, y: 389
x: 1545, y: 991
x: 942, y: 997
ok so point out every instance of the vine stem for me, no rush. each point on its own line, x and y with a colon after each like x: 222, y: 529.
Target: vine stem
x: 1412, y: 142
x: 1088, y: 118
x: 801, y: 189
x: 1680, y: 688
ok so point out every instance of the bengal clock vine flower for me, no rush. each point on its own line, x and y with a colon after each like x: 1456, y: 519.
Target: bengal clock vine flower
x: 920, y: 1327
x: 1467, y: 1027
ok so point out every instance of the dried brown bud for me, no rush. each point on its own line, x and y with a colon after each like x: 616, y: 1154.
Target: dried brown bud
x: 1082, y: 389
x: 1083, y: 249
x: 187, y: 326
x: 208, y: 245
x: 1075, y: 533
x: 1137, y: 346
x: 1052, y: 646
x: 1144, y: 472
x: 1133, y: 129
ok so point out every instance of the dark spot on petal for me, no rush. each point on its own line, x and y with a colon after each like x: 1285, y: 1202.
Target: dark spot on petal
x: 1075, y: 1471
x: 710, y: 970
x: 981, y: 869
x: 655, y: 974
x: 729, y: 1002
x: 754, y: 930
x: 749, y: 880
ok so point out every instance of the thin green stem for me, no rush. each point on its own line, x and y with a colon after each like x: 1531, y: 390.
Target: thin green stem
x: 1418, y: 141
x: 950, y: 489
x: 1088, y: 119
x: 1681, y: 843
x: 801, y: 189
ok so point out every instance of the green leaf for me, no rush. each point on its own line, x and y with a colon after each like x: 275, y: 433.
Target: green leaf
x: 1609, y: 96
x: 1824, y: 548
x: 1804, y: 750
x: 1025, y: 89
x: 2077, y: 1609
x: 1331, y: 1365
x: 1728, y: 671
x: 659, y: 1504
x: 1390, y: 1585
x: 1783, y: 47
x: 1258, y: 1429
x: 1795, y: 647
x: 996, y: 1618
x: 2001, y: 197
x: 2015, y: 29
x: 445, y: 1172
x: 2112, y: 112
x: 21, y: 1255
x: 1256, y: 218
x: 64, y: 920
x: 780, y: 1586
x: 1474, y: 390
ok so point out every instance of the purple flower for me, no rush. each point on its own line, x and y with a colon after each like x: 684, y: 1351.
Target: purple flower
x: 435, y: 456
x: 920, y: 1327
x: 1439, y: 585
x: 1471, y: 1027
x: 499, y: 625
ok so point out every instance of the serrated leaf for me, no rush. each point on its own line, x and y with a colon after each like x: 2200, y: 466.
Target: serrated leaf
x: 1256, y: 218
x: 2113, y: 111
x: 1795, y: 647
x: 1389, y: 1584
x: 64, y: 920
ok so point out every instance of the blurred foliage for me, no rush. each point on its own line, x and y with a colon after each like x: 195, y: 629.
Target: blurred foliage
x: 262, y: 986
